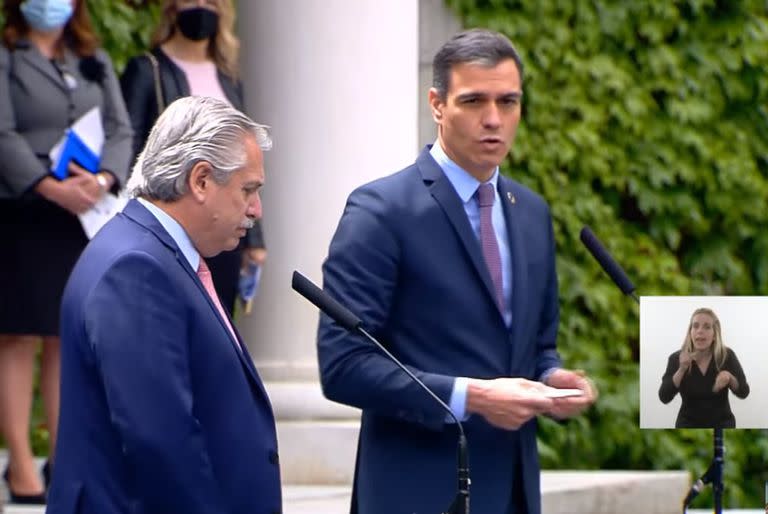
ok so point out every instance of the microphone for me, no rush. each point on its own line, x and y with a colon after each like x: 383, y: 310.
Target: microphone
x: 325, y: 303
x: 714, y: 474
x: 607, y: 262
x: 698, y: 485
x: 352, y: 323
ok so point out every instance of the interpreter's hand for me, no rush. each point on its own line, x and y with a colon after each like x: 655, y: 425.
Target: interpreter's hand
x: 723, y: 379
x: 73, y: 193
x: 257, y: 256
x: 571, y: 406
x: 686, y: 358
x: 507, y: 403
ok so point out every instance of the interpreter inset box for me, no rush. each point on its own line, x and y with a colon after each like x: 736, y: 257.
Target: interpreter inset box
x: 702, y: 361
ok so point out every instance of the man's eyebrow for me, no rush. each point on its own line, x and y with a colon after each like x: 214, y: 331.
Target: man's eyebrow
x: 471, y: 95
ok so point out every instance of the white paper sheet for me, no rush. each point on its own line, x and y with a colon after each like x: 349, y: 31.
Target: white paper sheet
x: 90, y: 131
x: 551, y: 392
x: 93, y: 219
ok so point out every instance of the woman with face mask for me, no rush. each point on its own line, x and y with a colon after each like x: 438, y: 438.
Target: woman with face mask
x: 703, y: 371
x: 194, y: 52
x: 51, y: 73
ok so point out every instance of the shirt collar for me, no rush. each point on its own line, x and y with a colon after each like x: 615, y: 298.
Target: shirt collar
x: 176, y: 231
x: 463, y: 182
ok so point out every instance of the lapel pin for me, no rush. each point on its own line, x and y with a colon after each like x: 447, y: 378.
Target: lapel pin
x: 511, y: 198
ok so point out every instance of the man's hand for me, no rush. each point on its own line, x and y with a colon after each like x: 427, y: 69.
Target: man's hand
x: 571, y: 406
x: 507, y: 402
x: 724, y: 379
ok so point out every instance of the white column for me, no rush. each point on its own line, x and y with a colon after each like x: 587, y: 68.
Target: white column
x: 338, y: 81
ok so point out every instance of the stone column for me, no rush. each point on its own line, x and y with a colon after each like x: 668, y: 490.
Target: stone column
x: 337, y: 80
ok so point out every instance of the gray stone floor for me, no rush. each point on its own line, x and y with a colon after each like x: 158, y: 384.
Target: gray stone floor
x: 563, y: 492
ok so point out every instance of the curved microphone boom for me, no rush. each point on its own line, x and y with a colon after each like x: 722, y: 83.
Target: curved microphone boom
x: 607, y: 262
x: 714, y: 474
x: 352, y: 323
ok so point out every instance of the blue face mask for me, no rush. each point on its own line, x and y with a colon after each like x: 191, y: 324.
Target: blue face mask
x: 46, y: 15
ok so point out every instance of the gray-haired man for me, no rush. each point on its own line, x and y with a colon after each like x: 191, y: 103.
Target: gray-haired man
x: 161, y: 409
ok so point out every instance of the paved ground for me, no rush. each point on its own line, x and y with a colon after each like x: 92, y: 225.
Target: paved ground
x: 297, y: 500
x: 563, y: 492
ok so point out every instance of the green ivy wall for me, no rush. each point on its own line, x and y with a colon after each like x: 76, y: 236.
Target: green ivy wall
x: 648, y: 121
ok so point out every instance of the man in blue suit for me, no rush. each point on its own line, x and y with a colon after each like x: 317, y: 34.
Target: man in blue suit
x: 452, y: 266
x: 162, y: 411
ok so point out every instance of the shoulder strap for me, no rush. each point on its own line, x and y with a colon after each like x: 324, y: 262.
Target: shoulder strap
x: 158, y: 85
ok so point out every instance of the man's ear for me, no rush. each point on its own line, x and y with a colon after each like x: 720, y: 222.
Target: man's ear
x: 200, y: 179
x: 436, y: 105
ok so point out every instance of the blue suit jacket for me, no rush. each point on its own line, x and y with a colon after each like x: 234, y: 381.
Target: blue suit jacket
x: 160, y: 412
x: 405, y: 259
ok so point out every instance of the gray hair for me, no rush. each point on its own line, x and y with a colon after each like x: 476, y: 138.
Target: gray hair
x: 475, y: 46
x: 190, y: 130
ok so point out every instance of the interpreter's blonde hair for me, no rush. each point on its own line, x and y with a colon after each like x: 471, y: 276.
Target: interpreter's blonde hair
x: 719, y: 350
x: 224, y: 47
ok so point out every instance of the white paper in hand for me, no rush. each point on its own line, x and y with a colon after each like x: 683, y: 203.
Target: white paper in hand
x: 553, y: 392
x: 90, y: 131
x: 94, y: 218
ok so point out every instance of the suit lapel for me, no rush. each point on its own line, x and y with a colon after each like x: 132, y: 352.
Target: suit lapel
x: 519, y: 262
x: 443, y: 192
x: 32, y: 56
x: 143, y: 217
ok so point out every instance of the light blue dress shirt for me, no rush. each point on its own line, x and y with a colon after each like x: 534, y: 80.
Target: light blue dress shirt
x: 176, y: 231
x: 466, y: 185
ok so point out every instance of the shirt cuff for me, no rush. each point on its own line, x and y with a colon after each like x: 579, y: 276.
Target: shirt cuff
x: 545, y: 376
x: 458, y: 401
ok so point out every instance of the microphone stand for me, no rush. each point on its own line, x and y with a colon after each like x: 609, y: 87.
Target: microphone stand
x: 713, y: 475
x: 460, y: 503
x: 715, y: 472
x: 352, y: 323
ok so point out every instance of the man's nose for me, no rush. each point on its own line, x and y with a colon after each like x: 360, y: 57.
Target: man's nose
x: 254, y: 207
x: 491, y: 117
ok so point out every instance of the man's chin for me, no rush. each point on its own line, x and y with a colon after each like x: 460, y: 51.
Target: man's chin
x: 230, y: 245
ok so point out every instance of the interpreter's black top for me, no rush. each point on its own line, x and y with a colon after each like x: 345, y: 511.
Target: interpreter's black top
x: 701, y: 408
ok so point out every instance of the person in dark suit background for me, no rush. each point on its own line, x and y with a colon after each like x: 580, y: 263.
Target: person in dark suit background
x: 452, y: 266
x: 195, y: 52
x: 703, y: 371
x: 162, y: 409
x: 51, y: 73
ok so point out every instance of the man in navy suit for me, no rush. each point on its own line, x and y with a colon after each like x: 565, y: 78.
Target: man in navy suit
x: 162, y: 411
x: 452, y: 267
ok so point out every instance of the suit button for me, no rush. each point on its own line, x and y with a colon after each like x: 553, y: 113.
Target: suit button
x: 274, y: 458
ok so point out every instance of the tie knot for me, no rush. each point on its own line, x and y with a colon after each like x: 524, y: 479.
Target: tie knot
x: 485, y: 195
x: 202, y: 268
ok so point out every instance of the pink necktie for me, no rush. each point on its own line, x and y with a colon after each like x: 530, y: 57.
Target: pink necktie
x: 485, y: 198
x: 207, y: 280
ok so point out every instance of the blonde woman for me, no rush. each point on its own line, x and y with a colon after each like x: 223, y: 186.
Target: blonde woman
x: 194, y: 53
x: 703, y: 371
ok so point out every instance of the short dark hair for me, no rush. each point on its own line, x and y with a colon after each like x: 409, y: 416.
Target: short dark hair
x: 476, y: 46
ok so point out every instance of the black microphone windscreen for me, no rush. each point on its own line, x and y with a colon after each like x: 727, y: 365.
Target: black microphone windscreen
x: 610, y: 266
x: 324, y: 302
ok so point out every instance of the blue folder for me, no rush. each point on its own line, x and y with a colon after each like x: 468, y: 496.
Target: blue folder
x: 74, y: 149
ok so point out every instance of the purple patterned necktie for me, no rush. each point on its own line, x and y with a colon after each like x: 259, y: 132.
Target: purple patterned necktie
x: 485, y: 198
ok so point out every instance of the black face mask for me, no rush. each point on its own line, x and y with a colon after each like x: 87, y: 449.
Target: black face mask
x: 197, y: 23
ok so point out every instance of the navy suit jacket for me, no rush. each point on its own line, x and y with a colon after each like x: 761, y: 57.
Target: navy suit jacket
x: 405, y: 259
x: 160, y: 411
